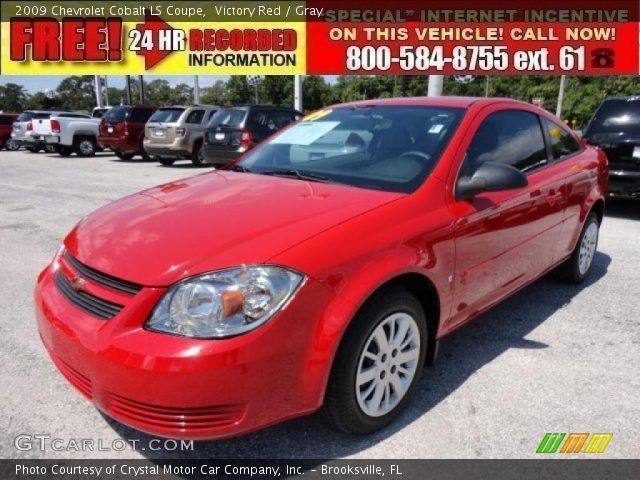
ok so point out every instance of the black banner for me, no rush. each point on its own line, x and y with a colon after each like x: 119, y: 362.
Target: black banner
x: 579, y: 469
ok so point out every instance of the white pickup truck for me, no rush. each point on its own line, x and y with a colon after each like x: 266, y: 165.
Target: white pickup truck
x: 70, y: 133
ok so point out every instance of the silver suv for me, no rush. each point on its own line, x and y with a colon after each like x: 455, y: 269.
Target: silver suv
x: 175, y: 133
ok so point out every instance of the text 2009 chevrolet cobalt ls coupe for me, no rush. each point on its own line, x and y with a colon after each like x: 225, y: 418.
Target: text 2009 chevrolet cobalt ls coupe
x: 322, y: 269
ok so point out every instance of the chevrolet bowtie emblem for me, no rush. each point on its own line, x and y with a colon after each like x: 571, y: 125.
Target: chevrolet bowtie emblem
x: 78, y: 284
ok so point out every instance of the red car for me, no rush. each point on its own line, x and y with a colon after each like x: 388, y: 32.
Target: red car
x: 6, y: 127
x: 322, y: 269
x: 122, y: 130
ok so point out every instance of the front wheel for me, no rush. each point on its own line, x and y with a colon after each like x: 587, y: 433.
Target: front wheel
x: 378, y: 362
x: 33, y: 149
x: 576, y: 268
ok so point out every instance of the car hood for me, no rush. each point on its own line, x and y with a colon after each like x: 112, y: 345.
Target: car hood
x: 211, y: 221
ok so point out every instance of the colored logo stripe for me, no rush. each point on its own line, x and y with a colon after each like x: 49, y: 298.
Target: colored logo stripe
x: 574, y: 442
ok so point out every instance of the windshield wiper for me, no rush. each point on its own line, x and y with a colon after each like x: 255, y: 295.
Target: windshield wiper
x: 238, y: 168
x: 292, y: 173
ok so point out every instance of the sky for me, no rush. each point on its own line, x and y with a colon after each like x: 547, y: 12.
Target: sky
x: 33, y: 83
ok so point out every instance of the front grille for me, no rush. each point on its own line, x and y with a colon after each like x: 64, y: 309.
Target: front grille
x: 103, y: 279
x: 85, y: 301
x: 179, y: 419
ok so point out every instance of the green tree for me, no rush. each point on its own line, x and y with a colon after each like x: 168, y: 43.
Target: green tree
x: 238, y: 91
x: 77, y: 93
x: 315, y: 92
x: 214, y: 95
x: 12, y: 97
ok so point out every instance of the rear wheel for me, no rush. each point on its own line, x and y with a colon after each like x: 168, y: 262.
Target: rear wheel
x: 576, y: 268
x: 124, y: 156
x: 84, y: 146
x: 12, y: 145
x: 197, y: 156
x: 167, y: 162
x: 378, y: 362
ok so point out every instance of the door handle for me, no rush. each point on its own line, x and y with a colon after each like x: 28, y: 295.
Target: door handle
x: 553, y: 197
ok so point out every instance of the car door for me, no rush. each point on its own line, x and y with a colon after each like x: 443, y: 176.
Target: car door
x: 580, y: 173
x: 505, y: 239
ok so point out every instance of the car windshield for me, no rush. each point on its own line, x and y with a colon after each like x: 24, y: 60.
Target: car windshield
x: 25, y: 117
x: 390, y: 148
x: 616, y: 116
x: 230, y: 117
x: 167, y: 115
x: 117, y: 114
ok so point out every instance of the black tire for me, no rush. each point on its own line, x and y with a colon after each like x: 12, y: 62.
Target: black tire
x: 197, y: 157
x: 341, y: 404
x: 167, y: 162
x: 145, y: 156
x: 85, y: 146
x: 570, y: 271
x: 33, y: 149
x: 12, y: 145
x: 124, y: 156
x: 64, y: 151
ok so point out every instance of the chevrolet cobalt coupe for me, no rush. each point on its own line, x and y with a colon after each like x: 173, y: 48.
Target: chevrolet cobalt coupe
x: 322, y: 269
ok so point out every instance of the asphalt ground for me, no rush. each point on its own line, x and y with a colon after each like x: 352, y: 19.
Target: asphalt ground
x: 552, y: 358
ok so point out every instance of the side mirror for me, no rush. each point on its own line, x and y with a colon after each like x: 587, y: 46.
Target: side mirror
x: 490, y: 177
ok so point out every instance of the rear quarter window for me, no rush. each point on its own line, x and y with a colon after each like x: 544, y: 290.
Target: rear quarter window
x: 195, y: 117
x: 563, y: 143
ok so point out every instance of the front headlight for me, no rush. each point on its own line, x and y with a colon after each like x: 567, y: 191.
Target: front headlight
x: 225, y: 303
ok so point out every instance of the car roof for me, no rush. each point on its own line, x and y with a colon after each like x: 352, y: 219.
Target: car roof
x: 444, y: 101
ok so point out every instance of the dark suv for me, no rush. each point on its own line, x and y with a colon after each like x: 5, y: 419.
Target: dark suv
x: 122, y: 130
x: 232, y: 131
x: 615, y: 128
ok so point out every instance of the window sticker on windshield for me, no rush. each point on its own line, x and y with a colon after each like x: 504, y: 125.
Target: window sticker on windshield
x: 305, y: 133
x: 436, y: 128
x: 317, y: 115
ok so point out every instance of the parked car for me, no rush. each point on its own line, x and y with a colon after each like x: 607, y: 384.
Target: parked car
x: 305, y: 276
x: 6, y: 127
x: 235, y: 130
x: 615, y: 128
x: 122, y: 130
x: 174, y: 133
x: 23, y: 134
x: 70, y: 133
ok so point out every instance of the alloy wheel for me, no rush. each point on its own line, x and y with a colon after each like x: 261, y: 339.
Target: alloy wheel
x: 388, y: 364
x: 588, y: 246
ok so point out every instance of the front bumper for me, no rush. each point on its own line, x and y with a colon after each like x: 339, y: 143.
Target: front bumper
x: 624, y: 183
x: 178, y: 387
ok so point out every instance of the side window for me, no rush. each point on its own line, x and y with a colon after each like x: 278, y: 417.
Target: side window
x: 562, y: 142
x: 140, y: 115
x: 260, y: 122
x: 211, y: 114
x: 195, y: 116
x: 279, y: 119
x: 513, y: 137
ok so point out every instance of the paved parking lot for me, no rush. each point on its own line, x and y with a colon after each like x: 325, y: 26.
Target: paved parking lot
x: 553, y: 358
